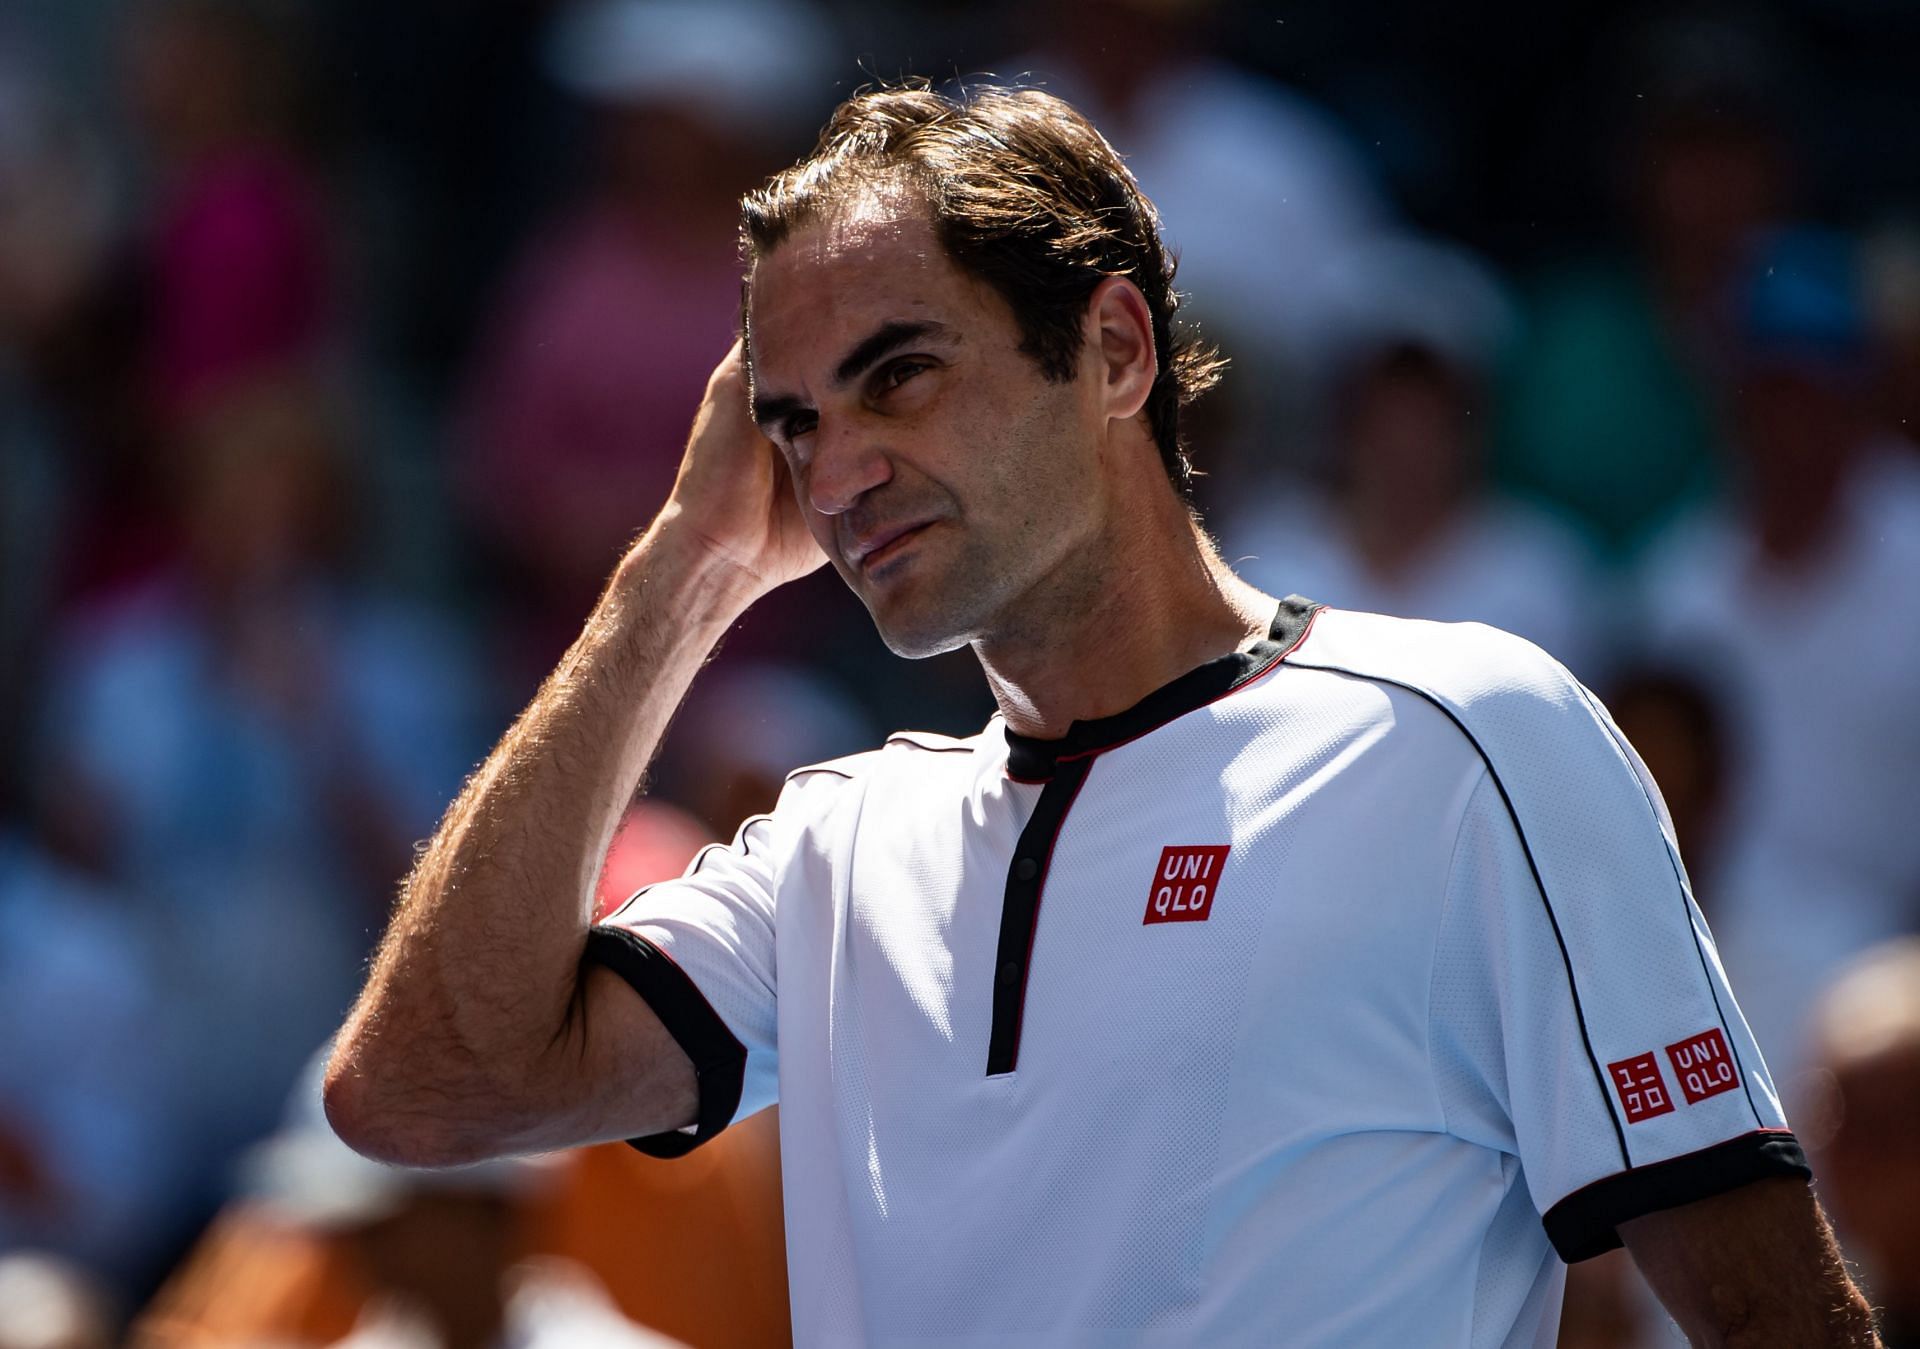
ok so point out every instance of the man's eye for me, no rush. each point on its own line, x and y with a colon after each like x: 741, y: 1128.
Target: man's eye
x: 798, y: 425
x: 900, y: 372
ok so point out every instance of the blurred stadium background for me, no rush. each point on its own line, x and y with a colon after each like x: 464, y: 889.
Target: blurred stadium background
x: 343, y: 345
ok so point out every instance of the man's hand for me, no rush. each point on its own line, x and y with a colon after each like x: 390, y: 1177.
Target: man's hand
x: 1756, y: 1267
x: 734, y: 492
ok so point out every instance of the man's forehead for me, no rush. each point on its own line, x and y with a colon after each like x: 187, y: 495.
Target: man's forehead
x: 884, y: 238
x: 874, y: 258
x: 873, y: 214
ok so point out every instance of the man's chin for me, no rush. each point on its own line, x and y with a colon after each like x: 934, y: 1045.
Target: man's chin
x: 916, y: 631
x: 921, y: 608
x: 911, y: 641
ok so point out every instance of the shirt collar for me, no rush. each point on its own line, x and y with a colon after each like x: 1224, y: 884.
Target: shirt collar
x: 1030, y: 759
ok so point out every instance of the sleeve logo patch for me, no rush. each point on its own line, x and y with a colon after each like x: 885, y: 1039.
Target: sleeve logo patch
x: 1184, y: 884
x: 1703, y: 1066
x: 1643, y: 1095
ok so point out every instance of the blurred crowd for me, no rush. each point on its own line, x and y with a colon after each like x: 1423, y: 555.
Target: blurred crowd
x: 344, y: 346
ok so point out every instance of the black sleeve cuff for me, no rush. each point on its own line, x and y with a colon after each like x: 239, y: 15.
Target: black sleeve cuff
x: 1584, y: 1224
x: 719, y: 1059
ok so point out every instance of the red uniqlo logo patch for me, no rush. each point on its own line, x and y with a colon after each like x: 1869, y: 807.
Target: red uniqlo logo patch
x: 1642, y: 1094
x: 1184, y: 884
x: 1703, y: 1066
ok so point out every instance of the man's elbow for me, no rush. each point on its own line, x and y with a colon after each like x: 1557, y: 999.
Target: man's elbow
x: 385, y: 1131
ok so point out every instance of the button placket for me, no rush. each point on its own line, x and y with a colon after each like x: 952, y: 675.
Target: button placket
x: 1020, y: 910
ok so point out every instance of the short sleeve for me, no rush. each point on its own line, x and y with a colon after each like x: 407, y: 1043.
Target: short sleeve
x: 1580, y: 1018
x: 700, y: 950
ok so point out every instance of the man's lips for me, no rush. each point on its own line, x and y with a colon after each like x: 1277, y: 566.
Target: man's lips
x: 870, y: 551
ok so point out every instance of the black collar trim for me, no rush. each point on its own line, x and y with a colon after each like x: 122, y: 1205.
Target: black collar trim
x: 1033, y: 760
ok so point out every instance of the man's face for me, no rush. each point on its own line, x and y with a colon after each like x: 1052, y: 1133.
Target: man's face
x: 949, y: 482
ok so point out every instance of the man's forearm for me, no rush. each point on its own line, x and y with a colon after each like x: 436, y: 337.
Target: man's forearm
x: 462, y: 1024
x: 1754, y: 1268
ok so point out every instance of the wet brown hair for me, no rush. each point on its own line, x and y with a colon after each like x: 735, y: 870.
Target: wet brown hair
x: 1026, y: 196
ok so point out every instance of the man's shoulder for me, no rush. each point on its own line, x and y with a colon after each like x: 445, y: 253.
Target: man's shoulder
x: 1536, y: 730
x: 1471, y: 670
x: 897, y: 749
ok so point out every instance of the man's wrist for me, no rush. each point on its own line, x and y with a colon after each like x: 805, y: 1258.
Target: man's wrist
x: 679, y: 568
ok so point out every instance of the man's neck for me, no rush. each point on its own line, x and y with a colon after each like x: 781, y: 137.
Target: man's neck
x: 1149, y: 616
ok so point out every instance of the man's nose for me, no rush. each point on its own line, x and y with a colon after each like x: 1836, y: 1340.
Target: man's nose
x: 848, y: 462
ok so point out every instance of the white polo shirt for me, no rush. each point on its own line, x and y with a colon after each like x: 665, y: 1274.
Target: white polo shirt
x: 1318, y: 999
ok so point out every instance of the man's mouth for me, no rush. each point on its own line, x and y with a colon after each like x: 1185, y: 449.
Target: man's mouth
x: 881, y: 545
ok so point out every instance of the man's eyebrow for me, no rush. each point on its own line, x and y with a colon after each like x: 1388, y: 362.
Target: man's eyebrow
x: 882, y: 342
x: 886, y: 339
x: 770, y: 412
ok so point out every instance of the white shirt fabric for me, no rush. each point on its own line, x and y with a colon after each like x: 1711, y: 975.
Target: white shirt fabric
x: 1037, y: 1088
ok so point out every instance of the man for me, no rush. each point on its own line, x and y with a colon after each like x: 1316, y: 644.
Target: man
x: 1235, y: 986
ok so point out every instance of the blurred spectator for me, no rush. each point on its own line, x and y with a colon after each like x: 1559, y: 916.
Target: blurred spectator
x: 1609, y: 410
x: 578, y: 408
x: 440, y: 1255
x: 447, y: 143
x: 53, y: 239
x: 1409, y: 525
x: 237, y: 256
x: 1860, y: 1128
x: 225, y: 273
x: 1795, y: 602
x: 54, y: 200
x: 1260, y: 191
x: 249, y: 743
x: 693, y: 1248
x: 46, y: 1303
x: 1258, y: 187
x: 1673, y: 723
x: 95, y: 1151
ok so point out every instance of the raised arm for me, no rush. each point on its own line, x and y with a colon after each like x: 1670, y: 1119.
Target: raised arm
x: 477, y: 1033
x: 1753, y: 1268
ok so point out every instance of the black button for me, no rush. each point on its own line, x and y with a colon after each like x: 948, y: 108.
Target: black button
x: 1025, y: 869
x: 1009, y: 973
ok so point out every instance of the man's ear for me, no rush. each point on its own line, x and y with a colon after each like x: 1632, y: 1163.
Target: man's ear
x: 1120, y: 334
